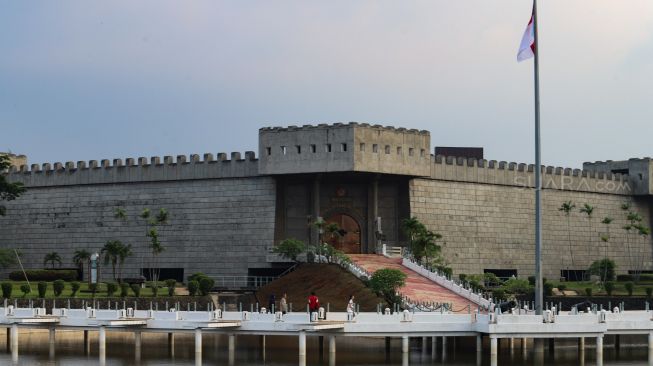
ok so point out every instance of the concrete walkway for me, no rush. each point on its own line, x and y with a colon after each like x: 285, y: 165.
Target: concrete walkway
x: 417, y: 288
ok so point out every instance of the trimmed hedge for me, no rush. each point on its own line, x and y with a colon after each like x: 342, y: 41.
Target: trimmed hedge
x: 628, y: 277
x: 44, y: 275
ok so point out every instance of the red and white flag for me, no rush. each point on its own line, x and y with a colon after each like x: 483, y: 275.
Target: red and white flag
x: 527, y: 46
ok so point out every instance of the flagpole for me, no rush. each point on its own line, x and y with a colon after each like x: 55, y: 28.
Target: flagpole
x: 538, y: 174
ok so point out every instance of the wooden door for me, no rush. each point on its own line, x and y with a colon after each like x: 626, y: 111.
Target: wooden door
x: 350, y: 238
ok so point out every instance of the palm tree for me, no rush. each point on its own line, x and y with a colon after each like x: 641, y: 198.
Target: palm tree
x: 52, y: 257
x: 81, y: 257
x: 412, y: 227
x: 567, y: 207
x: 606, y: 238
x: 588, y: 210
x: 115, y: 252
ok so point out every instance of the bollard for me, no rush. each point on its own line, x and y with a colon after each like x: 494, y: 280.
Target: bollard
x: 198, y: 346
x: 405, y: 344
x: 102, y: 346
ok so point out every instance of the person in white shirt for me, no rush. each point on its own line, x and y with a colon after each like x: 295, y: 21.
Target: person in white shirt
x: 350, y: 304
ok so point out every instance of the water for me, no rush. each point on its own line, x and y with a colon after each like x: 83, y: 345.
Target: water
x: 282, y: 351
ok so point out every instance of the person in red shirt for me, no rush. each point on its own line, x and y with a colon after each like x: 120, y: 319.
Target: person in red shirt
x: 313, y: 303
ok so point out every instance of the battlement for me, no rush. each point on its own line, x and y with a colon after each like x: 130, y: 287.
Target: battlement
x: 523, y: 175
x: 325, y: 126
x: 638, y: 170
x: 133, y: 170
x: 340, y: 147
x: 16, y: 160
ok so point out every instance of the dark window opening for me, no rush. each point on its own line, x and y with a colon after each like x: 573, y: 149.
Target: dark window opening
x: 328, y: 147
x: 362, y: 147
x: 573, y: 274
x: 313, y: 149
x: 375, y: 148
x: 620, y: 171
x: 299, y: 149
x: 268, y: 150
x: 343, y: 147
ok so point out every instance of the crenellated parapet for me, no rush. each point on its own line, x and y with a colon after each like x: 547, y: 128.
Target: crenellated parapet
x: 142, y: 169
x: 639, y: 172
x: 343, y: 147
x: 523, y: 175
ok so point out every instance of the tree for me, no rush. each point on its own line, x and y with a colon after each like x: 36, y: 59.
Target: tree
x: 151, y: 232
x: 605, y: 269
x: 566, y: 208
x: 81, y: 257
x: 51, y: 258
x: 8, y: 257
x: 633, y: 225
x: 115, y: 252
x: 588, y: 210
x: 290, y: 249
x: 8, y: 191
x: 387, y: 281
x: 412, y: 227
x: 605, y: 238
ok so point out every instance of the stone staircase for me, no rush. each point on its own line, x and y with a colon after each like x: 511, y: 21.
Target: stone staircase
x: 418, y: 288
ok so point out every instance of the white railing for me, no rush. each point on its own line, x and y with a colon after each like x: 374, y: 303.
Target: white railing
x: 451, y: 285
x: 390, y: 251
x: 358, y: 271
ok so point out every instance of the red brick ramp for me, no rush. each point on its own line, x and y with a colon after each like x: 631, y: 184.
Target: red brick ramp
x: 417, y: 288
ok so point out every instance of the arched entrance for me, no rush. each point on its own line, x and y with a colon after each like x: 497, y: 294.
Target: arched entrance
x: 350, y: 234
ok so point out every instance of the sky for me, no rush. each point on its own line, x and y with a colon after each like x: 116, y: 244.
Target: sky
x: 86, y: 80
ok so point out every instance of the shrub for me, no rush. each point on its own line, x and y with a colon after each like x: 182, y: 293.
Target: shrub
x: 649, y: 291
x: 517, y: 286
x: 193, y: 286
x: 603, y: 268
x: 531, y: 280
x: 206, y: 285
x: 197, y: 276
x: 290, y: 249
x: 42, y: 287
x: 498, y: 294
x: 547, y: 288
x: 7, y: 287
x: 26, y: 289
x: 386, y: 281
x: 93, y: 288
x: 629, y: 287
x: 112, y: 287
x: 44, y: 275
x: 136, y: 289
x: 609, y: 286
x: 588, y: 291
x: 124, y: 289
x: 132, y: 280
x: 463, y: 278
x: 155, y: 289
x: 74, y: 286
x: 171, y: 286
x: 58, y: 287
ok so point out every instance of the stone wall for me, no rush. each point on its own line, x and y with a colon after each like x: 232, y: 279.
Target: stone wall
x: 217, y: 226
x: 490, y: 226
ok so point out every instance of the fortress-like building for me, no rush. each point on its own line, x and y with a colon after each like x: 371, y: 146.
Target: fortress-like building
x: 227, y: 212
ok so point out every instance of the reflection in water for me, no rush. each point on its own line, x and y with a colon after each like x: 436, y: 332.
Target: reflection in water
x: 69, y: 349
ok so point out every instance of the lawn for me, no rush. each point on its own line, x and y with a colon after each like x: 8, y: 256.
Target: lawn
x: 83, y: 291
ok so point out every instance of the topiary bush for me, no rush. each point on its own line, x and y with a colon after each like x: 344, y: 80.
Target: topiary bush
x: 74, y: 287
x: 588, y: 291
x: 171, y: 283
x: 58, y: 287
x: 498, y: 294
x: 42, y: 288
x: 136, y: 289
x: 206, y: 285
x: 93, y: 287
x: 547, y: 288
x: 386, y: 281
x: 155, y: 289
x: 193, y: 286
x: 112, y: 287
x: 25, y: 289
x: 603, y: 268
x: 629, y: 286
x: 290, y: 249
x: 7, y: 287
x: 609, y: 287
x: 124, y: 289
